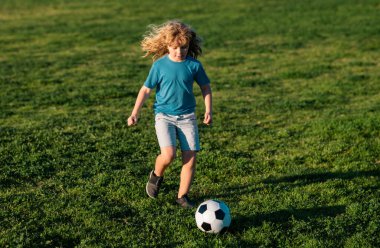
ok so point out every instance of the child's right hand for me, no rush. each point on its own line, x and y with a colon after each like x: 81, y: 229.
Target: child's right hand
x: 208, y: 119
x: 132, y: 120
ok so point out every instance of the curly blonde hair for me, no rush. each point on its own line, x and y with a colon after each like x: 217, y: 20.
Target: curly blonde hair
x: 156, y: 41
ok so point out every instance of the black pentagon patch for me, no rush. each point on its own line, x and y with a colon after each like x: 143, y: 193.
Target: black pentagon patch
x: 202, y: 208
x: 206, y: 226
x: 219, y: 214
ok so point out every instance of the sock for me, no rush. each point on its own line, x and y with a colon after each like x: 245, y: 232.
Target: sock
x: 154, y: 174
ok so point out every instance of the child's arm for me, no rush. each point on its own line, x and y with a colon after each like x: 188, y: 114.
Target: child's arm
x: 141, y: 97
x: 207, y: 96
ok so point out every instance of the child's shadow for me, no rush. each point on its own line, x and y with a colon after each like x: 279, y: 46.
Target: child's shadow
x: 318, y: 177
x: 241, y: 223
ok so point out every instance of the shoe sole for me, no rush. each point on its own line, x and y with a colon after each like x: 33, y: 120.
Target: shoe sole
x: 185, y: 205
x: 146, y: 189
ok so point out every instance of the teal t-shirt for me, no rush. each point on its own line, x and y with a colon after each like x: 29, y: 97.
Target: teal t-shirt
x: 174, y: 84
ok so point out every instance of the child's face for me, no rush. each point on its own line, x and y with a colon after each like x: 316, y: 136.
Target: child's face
x: 178, y: 52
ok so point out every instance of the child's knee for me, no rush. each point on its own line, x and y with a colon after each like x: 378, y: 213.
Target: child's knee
x: 168, y: 154
x: 168, y: 157
x: 189, y: 154
x: 189, y: 157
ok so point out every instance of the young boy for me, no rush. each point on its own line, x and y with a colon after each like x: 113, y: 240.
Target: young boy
x: 174, y: 47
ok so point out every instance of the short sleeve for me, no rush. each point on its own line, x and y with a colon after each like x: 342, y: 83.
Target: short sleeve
x: 153, y: 77
x: 201, y: 77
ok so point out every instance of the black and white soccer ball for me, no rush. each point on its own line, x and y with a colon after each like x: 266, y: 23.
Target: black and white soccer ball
x: 213, y: 216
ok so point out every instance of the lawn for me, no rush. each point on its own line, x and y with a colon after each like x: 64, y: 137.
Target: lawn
x: 294, y: 149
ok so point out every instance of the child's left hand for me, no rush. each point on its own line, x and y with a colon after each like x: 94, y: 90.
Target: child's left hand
x: 132, y: 120
x: 208, y: 119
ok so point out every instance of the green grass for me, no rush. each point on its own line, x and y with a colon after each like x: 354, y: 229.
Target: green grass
x: 294, y: 149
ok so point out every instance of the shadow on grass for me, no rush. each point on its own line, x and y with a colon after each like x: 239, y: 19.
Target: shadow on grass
x: 288, y: 182
x: 58, y: 240
x: 292, y: 181
x: 241, y: 223
x: 308, y: 178
x: 16, y: 181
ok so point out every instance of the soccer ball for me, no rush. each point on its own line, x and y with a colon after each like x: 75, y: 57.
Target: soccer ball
x: 213, y: 216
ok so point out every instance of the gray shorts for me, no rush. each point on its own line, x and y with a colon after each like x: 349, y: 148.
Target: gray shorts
x: 183, y: 127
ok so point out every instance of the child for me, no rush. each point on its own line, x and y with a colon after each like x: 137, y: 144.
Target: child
x: 174, y: 47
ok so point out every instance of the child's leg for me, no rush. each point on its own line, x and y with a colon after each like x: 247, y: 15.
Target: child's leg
x: 187, y: 173
x: 164, y: 160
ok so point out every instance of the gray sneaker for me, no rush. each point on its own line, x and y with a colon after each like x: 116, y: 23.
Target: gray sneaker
x: 185, y: 202
x: 153, y: 185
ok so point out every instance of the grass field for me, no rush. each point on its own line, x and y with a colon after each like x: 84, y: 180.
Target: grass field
x: 294, y: 149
